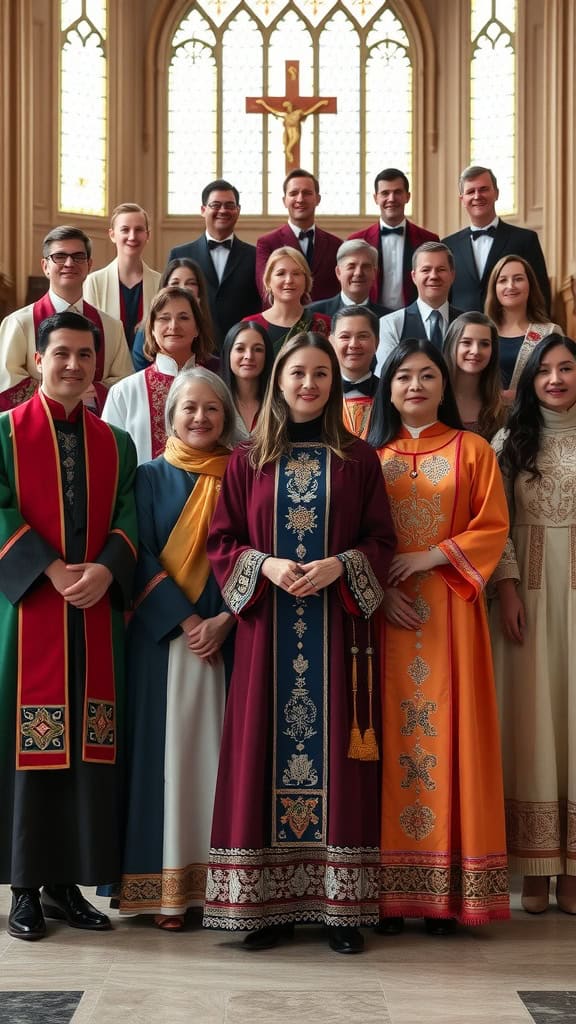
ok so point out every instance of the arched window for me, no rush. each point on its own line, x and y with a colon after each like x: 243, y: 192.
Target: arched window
x: 493, y: 84
x: 83, y: 107
x: 222, y: 52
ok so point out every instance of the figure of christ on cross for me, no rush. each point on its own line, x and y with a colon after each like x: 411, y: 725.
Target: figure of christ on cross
x: 291, y: 111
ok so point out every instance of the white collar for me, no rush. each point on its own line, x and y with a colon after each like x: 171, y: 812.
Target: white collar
x: 61, y: 305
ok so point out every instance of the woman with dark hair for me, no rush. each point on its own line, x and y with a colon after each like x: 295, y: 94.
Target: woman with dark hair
x: 176, y: 337
x: 443, y: 846
x: 471, y: 352
x: 182, y: 273
x: 515, y: 303
x: 288, y: 283
x: 176, y: 691
x: 534, y: 625
x: 246, y: 363
x: 300, y: 538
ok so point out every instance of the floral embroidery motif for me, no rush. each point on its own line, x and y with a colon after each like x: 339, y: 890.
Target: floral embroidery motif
x: 535, y: 557
x: 299, y: 813
x: 552, y: 496
x: 360, y: 577
x: 157, y: 385
x: 300, y: 771
x: 241, y: 584
x: 418, y: 713
x: 100, y: 724
x: 422, y: 608
x: 303, y: 472
x: 417, y: 820
x: 417, y: 519
x: 393, y: 469
x: 418, y: 670
x: 435, y: 468
x: 68, y: 445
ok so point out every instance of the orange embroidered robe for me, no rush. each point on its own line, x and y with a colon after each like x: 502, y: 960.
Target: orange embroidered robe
x: 356, y: 415
x: 443, y: 846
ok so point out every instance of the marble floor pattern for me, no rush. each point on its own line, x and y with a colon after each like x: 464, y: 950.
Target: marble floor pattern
x: 139, y: 975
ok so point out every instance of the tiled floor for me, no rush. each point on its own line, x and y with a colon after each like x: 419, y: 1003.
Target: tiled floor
x: 139, y: 974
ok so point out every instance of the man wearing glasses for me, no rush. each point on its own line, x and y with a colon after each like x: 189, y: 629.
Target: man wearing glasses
x: 66, y: 262
x: 229, y: 265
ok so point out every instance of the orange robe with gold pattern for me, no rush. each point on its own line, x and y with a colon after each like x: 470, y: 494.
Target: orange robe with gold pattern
x: 356, y: 414
x: 443, y: 838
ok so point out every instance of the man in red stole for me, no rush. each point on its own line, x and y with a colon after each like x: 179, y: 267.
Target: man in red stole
x: 67, y: 556
x: 66, y: 262
x: 354, y: 337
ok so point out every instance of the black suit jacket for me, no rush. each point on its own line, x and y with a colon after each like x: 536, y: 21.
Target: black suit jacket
x: 331, y: 306
x: 236, y: 295
x: 468, y: 290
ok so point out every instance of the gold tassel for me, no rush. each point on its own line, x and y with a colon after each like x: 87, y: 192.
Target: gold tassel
x: 370, y: 743
x: 355, y: 744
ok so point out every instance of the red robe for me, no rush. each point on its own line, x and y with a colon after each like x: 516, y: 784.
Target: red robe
x: 318, y: 861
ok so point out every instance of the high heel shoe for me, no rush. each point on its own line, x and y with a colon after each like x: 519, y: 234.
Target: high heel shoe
x: 566, y: 893
x: 535, y: 893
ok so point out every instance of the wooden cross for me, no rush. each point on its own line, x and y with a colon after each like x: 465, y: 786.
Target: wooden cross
x: 292, y: 111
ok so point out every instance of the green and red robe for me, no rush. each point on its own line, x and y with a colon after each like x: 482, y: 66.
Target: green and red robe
x: 65, y: 492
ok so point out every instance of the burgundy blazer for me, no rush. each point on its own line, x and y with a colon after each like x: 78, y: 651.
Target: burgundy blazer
x: 325, y: 283
x: 414, y: 237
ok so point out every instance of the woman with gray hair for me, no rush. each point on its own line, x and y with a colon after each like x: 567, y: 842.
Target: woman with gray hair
x: 176, y: 679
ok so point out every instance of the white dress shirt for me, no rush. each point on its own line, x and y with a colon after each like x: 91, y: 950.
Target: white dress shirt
x: 481, y: 246
x: 392, y: 248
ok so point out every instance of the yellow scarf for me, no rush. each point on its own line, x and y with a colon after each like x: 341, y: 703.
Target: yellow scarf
x: 184, y: 554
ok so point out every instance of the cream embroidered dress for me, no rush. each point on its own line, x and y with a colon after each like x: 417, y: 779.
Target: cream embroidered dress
x: 537, y: 681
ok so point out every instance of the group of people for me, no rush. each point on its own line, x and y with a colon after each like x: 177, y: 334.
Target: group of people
x: 267, y: 672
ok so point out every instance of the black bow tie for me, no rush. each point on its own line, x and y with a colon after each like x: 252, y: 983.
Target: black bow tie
x: 363, y: 386
x: 307, y: 234
x: 213, y: 244
x: 391, y: 231
x: 483, y: 231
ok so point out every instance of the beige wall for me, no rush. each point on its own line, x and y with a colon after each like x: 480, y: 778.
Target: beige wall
x: 28, y: 116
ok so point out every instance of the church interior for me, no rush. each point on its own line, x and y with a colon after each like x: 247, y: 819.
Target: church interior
x: 506, y: 973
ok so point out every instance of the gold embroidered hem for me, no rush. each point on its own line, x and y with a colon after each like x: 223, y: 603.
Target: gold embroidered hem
x: 242, y: 583
x: 541, y: 837
x: 436, y: 885
x: 174, y: 890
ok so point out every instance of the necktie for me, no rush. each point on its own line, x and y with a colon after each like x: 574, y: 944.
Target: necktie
x: 491, y: 231
x: 310, y: 249
x: 435, y: 321
x: 213, y: 244
x: 363, y: 386
x: 391, y: 231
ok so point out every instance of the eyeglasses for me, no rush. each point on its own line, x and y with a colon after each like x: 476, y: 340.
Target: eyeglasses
x: 222, y: 206
x: 60, y: 258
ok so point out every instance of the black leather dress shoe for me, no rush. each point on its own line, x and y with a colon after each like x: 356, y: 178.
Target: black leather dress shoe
x: 440, y: 925
x: 267, y: 938
x: 66, y: 903
x: 345, y: 940
x: 389, y: 926
x: 26, y: 920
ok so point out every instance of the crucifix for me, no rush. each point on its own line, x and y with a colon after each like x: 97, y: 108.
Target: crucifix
x: 292, y: 111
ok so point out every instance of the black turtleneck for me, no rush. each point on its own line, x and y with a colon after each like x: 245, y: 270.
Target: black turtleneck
x: 311, y: 430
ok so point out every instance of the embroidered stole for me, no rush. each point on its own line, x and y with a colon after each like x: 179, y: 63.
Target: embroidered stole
x: 301, y: 655
x: 43, y: 723
x: 356, y: 415
x: 157, y: 387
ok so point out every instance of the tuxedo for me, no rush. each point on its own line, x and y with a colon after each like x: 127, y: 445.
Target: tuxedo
x: 324, y: 280
x: 401, y: 325
x: 331, y: 306
x: 469, y: 290
x: 236, y: 295
x: 413, y: 237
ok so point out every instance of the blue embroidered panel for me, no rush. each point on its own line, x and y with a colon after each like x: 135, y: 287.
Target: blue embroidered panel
x: 300, y: 755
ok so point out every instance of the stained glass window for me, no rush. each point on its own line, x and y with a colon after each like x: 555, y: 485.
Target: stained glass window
x: 222, y: 52
x: 83, y: 107
x: 493, y: 93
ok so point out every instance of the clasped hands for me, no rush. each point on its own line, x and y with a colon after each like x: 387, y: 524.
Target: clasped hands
x: 204, y: 637
x: 303, y: 579
x: 81, y: 585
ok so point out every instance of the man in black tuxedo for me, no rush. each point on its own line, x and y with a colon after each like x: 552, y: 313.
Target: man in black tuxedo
x: 228, y: 264
x: 478, y: 248
x: 356, y: 270
x: 429, y: 316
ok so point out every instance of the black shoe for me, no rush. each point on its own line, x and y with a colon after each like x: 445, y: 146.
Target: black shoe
x: 345, y: 940
x: 267, y: 938
x: 26, y: 920
x: 66, y: 903
x: 440, y: 925
x: 389, y: 926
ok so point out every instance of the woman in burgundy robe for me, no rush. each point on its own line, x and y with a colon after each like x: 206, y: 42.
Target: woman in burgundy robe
x: 300, y: 544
